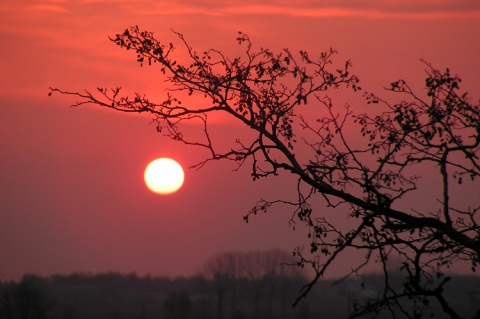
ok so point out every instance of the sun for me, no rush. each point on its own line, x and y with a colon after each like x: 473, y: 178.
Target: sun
x: 164, y: 176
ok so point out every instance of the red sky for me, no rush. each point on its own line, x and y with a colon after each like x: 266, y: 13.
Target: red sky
x: 72, y: 197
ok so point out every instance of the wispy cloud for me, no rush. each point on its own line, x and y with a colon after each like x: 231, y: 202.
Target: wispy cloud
x: 335, y: 12
x: 376, y: 9
x: 38, y: 6
x: 405, y: 9
x: 46, y: 7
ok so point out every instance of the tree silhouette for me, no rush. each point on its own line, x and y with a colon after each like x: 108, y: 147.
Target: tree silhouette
x: 178, y: 306
x: 365, y: 165
x: 264, y: 271
x: 223, y: 270
x: 24, y: 300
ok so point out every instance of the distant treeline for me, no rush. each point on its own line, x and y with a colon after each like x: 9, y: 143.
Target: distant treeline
x: 116, y: 295
x: 231, y: 286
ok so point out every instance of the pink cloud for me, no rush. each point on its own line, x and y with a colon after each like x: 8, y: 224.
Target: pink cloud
x: 47, y: 7
x: 376, y: 9
x: 37, y: 6
x: 432, y: 9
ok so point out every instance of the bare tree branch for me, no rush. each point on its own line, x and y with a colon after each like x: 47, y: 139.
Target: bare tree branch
x: 272, y: 94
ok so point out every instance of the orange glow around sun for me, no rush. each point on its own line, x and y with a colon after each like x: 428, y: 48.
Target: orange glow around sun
x: 164, y: 176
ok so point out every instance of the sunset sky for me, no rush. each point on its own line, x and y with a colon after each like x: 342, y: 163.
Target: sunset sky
x: 72, y: 196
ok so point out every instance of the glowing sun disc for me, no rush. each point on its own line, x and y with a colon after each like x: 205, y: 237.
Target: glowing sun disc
x: 164, y: 176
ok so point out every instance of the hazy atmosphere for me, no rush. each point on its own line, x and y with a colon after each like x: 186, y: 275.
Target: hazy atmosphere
x: 72, y: 195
